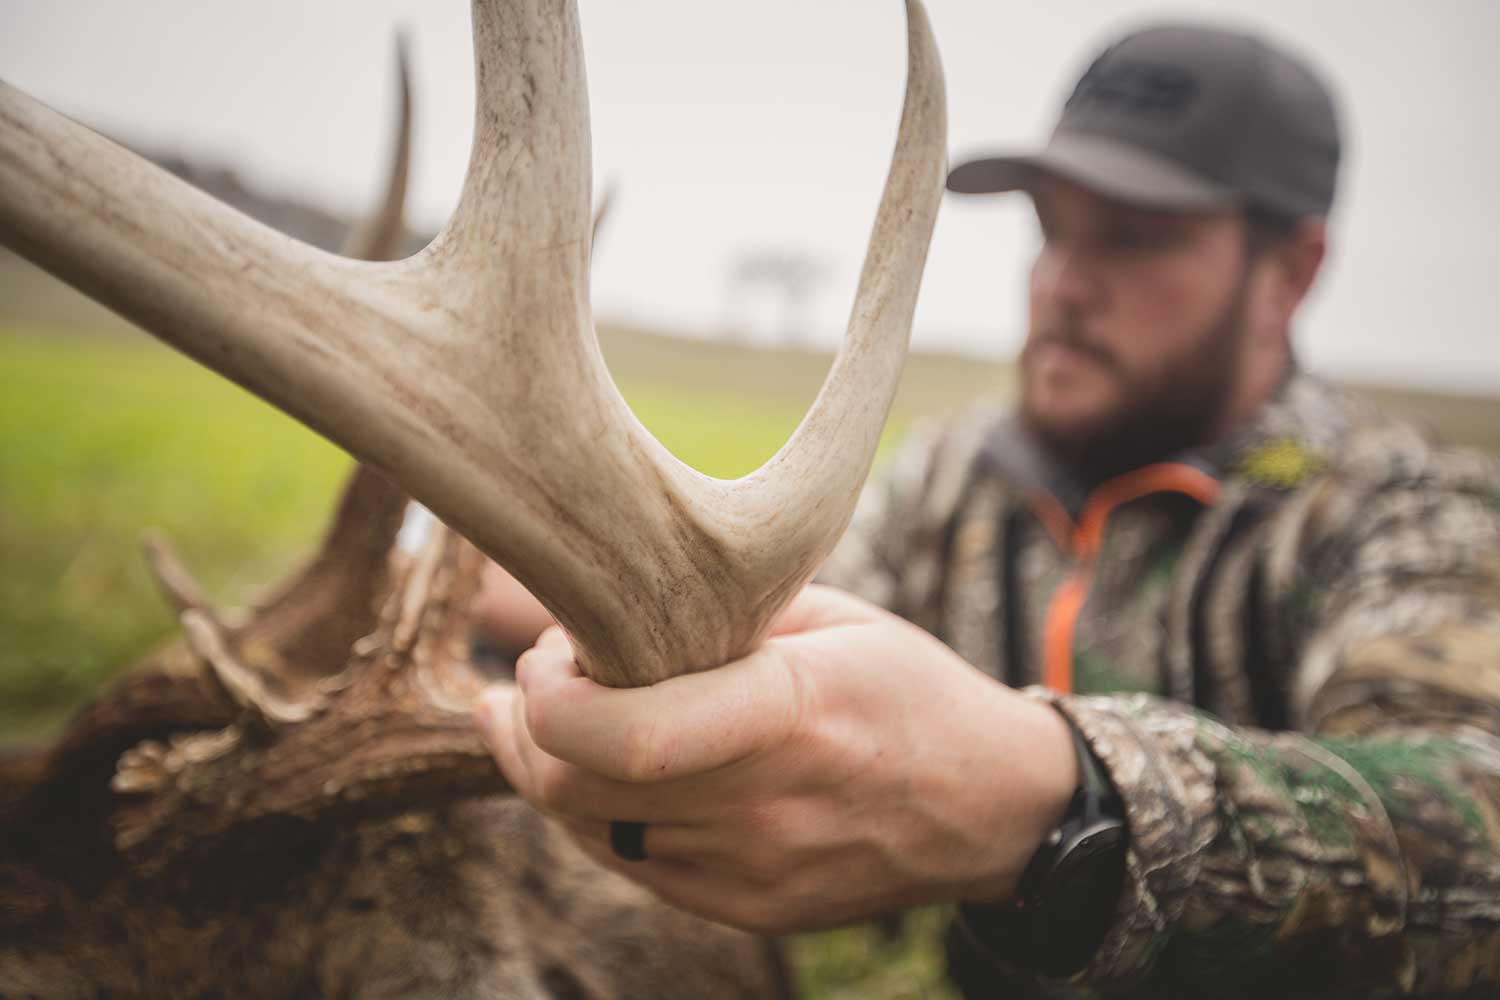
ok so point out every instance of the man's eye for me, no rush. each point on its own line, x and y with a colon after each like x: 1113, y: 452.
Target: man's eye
x: 1138, y: 238
x: 1126, y: 238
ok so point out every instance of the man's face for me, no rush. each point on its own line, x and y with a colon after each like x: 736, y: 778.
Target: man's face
x: 1137, y: 321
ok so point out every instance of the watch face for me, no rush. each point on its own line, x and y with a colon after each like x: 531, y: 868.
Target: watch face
x: 1080, y: 895
x: 1068, y: 893
x: 1057, y: 928
x: 1083, y: 856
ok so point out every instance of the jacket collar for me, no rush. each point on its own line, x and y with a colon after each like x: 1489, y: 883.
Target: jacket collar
x: 1294, y: 436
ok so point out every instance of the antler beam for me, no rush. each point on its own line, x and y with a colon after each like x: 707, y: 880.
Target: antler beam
x: 471, y: 374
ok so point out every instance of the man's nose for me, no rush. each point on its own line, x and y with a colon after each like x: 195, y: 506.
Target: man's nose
x: 1072, y: 277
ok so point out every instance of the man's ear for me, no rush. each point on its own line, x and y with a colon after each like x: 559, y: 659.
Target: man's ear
x: 1301, y: 257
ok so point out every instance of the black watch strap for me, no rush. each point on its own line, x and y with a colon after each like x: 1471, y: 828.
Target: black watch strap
x: 1067, y: 895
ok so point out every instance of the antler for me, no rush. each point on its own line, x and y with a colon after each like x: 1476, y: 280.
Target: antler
x: 391, y: 731
x: 471, y: 374
x: 379, y: 237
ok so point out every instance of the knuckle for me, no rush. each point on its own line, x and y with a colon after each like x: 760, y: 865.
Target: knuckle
x: 643, y: 757
x: 539, y: 721
x: 526, y: 662
x: 776, y: 842
x: 798, y: 696
x: 762, y: 867
x: 553, y: 638
x: 541, y: 662
x: 553, y: 788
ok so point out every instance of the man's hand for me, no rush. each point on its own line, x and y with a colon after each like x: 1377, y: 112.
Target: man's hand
x: 851, y: 766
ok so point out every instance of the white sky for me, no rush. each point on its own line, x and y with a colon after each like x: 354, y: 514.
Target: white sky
x: 768, y: 124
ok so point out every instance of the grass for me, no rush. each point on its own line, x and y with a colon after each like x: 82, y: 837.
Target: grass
x: 102, y: 439
x: 867, y: 962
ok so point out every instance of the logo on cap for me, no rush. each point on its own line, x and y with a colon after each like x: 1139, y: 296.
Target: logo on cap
x: 1133, y: 85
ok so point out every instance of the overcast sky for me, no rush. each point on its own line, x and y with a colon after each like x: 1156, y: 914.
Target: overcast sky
x: 740, y: 127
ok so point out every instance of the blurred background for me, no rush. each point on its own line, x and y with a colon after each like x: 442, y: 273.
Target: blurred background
x: 747, y: 145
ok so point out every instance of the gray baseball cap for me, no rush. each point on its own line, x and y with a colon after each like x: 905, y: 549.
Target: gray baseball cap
x: 1182, y: 116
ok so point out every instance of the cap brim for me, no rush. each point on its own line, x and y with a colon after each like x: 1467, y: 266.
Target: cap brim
x: 1103, y: 165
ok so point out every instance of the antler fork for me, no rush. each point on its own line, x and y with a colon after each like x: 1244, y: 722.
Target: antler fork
x: 470, y: 373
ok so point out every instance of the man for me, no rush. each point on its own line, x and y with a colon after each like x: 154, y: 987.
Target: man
x: 1258, y: 626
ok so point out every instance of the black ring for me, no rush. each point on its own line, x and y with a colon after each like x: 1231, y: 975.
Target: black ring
x: 627, y: 839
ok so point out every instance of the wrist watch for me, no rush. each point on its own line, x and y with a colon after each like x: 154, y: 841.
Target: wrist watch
x: 1067, y: 894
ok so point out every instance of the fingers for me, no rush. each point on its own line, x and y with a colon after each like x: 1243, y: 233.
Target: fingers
x: 704, y: 891
x: 675, y: 842
x: 683, y: 726
x: 660, y: 841
x: 686, y: 822
x: 570, y: 792
x: 733, y: 851
x: 586, y: 804
x: 493, y: 715
x: 679, y: 727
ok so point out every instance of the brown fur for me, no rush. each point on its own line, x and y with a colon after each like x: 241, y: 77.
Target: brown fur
x: 478, y: 899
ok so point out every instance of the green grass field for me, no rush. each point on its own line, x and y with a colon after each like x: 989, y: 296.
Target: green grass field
x: 103, y: 438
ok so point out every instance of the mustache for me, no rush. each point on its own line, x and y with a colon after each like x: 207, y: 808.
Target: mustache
x: 1072, y: 335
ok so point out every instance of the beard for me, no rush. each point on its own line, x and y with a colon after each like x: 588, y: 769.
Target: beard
x: 1160, y: 413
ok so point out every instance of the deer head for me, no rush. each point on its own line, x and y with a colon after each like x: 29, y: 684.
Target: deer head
x: 470, y: 374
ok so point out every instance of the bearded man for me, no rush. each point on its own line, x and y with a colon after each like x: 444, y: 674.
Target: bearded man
x: 1182, y: 680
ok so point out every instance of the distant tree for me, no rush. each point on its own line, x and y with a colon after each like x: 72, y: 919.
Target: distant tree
x: 788, y: 275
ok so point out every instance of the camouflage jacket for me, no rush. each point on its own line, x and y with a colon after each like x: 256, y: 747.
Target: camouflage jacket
x: 1286, y: 652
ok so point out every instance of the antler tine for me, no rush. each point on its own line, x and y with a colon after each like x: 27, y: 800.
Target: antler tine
x: 380, y: 236
x: 261, y: 710
x: 527, y: 188
x: 173, y: 578
x: 804, y: 495
x: 602, y: 209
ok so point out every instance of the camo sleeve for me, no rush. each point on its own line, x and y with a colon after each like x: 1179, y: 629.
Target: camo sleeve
x: 1356, y: 854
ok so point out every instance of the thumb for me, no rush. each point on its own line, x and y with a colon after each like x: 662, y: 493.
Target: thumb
x: 673, y: 729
